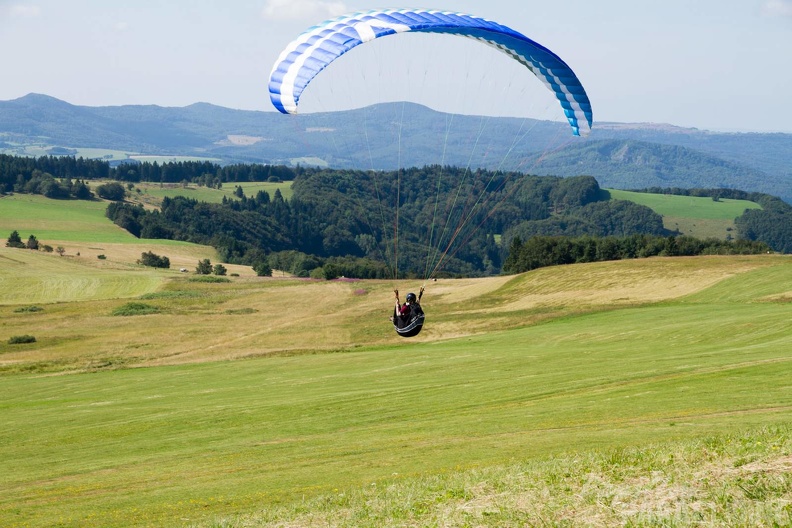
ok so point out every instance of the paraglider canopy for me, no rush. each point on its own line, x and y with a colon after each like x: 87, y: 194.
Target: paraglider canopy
x: 320, y: 45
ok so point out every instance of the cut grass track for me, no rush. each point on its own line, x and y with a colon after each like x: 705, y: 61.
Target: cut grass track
x: 185, y: 443
x: 30, y: 277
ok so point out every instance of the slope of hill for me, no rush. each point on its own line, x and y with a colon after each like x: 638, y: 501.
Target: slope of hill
x: 753, y: 162
x: 767, y: 152
x: 339, y: 404
x: 638, y: 164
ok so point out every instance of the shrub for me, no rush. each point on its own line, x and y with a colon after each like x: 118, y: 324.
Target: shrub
x: 219, y: 269
x: 209, y: 278
x: 101, y: 257
x: 241, y: 311
x: 135, y: 308
x: 16, y: 340
x: 29, y: 309
x: 173, y: 294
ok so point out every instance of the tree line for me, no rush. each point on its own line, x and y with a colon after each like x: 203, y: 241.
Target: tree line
x: 17, y: 171
x: 542, y: 251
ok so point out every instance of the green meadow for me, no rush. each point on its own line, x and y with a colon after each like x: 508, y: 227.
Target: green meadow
x: 696, y: 216
x: 208, y: 436
x: 61, y: 220
x: 206, y: 194
x: 648, y: 392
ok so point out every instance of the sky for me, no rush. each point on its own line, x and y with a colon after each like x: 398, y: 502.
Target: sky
x: 722, y: 65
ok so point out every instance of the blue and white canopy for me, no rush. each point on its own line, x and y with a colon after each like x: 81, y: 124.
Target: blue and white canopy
x: 320, y: 45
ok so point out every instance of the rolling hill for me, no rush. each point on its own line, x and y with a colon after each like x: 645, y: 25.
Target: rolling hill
x: 629, y: 390
x: 259, y: 401
x: 622, y: 155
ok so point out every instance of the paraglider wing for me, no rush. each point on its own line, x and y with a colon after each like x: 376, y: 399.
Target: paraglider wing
x: 320, y: 45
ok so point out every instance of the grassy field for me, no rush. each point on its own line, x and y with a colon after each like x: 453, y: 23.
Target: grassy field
x: 647, y: 392
x: 59, y: 220
x: 691, y: 215
x: 152, y: 194
x: 559, y: 380
x: 83, y: 230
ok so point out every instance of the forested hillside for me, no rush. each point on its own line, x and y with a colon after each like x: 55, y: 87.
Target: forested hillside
x: 637, y: 164
x: 450, y: 220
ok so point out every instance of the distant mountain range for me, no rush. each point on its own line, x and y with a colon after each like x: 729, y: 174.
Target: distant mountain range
x: 392, y: 135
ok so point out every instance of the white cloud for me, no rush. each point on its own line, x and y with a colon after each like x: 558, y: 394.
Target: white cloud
x: 24, y: 10
x: 777, y: 8
x: 312, y: 10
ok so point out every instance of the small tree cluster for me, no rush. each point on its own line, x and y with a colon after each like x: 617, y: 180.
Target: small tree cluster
x: 205, y: 267
x: 155, y: 261
x: 15, y: 241
x: 45, y: 184
x: 111, y: 191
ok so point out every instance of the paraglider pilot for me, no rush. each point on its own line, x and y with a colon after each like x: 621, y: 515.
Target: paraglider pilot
x: 404, y: 313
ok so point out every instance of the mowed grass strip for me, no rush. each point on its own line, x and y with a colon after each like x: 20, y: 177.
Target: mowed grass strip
x: 58, y: 220
x: 34, y: 277
x: 186, y: 443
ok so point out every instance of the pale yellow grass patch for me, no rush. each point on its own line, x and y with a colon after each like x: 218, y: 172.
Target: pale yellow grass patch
x: 125, y: 255
x: 300, y: 317
x: 622, y: 282
x: 464, y: 290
